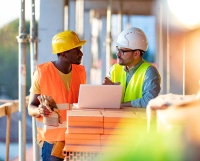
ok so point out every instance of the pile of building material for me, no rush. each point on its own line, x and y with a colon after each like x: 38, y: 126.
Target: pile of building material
x: 92, y: 131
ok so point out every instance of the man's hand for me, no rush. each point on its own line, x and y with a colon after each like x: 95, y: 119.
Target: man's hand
x: 44, y: 110
x: 107, y: 81
x: 47, y: 106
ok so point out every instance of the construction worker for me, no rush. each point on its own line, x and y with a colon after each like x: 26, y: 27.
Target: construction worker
x: 140, y: 79
x: 56, y: 83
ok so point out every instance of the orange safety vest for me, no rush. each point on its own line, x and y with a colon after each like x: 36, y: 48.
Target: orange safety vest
x: 52, y: 85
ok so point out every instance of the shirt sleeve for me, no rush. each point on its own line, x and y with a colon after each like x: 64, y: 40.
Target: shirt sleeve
x: 109, y: 73
x: 151, y: 88
x: 35, y: 86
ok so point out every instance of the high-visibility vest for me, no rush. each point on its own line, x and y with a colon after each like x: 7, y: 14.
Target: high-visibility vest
x: 134, y: 88
x: 51, y: 85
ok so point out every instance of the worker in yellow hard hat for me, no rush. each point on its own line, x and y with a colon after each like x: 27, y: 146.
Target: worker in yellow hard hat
x: 55, y: 86
x: 140, y: 79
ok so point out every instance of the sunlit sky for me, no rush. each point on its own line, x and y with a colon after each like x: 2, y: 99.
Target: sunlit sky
x: 187, y: 11
x: 10, y: 10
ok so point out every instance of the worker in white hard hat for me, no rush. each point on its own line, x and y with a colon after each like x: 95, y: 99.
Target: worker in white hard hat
x: 140, y: 79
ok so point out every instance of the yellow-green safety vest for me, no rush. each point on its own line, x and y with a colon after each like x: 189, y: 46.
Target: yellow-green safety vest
x: 134, y: 88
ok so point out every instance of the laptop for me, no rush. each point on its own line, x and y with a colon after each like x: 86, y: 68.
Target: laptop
x: 99, y: 96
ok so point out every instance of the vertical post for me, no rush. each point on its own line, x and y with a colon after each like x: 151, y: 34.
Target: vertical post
x: 184, y: 65
x: 168, y: 54
x: 87, y: 47
x: 80, y: 17
x: 33, y: 39
x: 108, y: 36
x: 8, y: 113
x: 160, y: 55
x: 102, y: 47
x: 72, y: 15
x: 33, y: 61
x: 120, y: 17
x: 22, y: 40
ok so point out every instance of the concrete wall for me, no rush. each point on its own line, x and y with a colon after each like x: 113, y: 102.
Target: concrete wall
x: 184, y: 50
x: 51, y: 22
x: 192, y: 43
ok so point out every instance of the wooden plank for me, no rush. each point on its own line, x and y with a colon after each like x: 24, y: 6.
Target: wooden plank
x: 15, y: 107
x: 3, y: 109
x: 13, y: 103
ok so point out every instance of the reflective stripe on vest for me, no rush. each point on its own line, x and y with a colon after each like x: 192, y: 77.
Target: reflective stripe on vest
x: 64, y: 106
x: 41, y: 125
x: 134, y: 88
x: 52, y: 85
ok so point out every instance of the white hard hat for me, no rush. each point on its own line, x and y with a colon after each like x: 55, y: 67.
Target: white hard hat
x: 132, y: 38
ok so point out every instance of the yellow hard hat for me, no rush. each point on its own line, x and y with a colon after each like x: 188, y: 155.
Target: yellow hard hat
x: 66, y: 40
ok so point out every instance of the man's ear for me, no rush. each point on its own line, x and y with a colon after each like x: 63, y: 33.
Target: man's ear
x: 63, y: 54
x: 137, y: 53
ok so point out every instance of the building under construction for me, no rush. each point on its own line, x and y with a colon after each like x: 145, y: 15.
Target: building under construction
x: 173, y: 49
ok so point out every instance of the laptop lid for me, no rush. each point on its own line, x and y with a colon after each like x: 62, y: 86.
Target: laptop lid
x: 99, y: 96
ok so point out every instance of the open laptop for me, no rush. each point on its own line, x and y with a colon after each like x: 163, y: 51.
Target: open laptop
x: 99, y: 96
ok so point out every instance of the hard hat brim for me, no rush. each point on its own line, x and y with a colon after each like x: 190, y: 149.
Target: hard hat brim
x: 81, y: 43
x: 120, y: 45
x: 128, y: 47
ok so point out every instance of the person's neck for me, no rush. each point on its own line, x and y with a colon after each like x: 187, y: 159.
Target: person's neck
x: 132, y: 65
x: 63, y: 66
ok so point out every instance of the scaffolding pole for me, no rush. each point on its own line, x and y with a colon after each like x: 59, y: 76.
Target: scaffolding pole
x: 22, y: 40
x: 120, y: 17
x: 109, y: 36
x: 33, y: 61
x: 160, y: 49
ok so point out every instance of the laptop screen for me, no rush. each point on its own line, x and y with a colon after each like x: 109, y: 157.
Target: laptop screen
x: 99, y: 96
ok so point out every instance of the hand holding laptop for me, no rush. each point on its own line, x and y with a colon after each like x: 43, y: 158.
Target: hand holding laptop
x: 107, y: 81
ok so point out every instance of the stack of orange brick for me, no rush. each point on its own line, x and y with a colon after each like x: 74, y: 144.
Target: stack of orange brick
x: 94, y: 130
x: 83, y: 131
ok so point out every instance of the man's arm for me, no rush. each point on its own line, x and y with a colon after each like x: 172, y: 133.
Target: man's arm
x: 107, y: 79
x: 33, y: 105
x: 151, y: 88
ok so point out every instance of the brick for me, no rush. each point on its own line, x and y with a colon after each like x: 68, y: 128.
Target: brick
x: 75, y: 148
x: 82, y: 142
x: 82, y: 130
x: 82, y: 136
x: 79, y: 116
x: 85, y: 124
